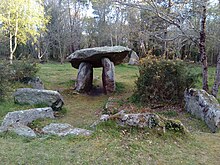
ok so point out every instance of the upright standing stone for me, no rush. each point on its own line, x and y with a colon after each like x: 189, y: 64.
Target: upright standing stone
x: 84, y: 77
x: 134, y: 59
x: 108, y: 76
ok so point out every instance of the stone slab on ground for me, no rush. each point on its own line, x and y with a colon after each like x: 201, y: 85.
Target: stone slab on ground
x: 144, y: 120
x: 19, y: 129
x: 64, y: 129
x: 36, y: 96
x: 25, y: 117
x: 204, y: 106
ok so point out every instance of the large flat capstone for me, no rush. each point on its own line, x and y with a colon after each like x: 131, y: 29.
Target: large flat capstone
x: 204, y: 106
x: 36, y: 96
x: 94, y: 55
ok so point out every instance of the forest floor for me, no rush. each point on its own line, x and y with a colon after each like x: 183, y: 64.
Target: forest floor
x: 109, y: 144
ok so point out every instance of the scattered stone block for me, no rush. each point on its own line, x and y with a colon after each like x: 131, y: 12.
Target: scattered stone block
x: 204, y: 106
x: 36, y: 96
x: 64, y: 129
x: 22, y: 130
x: 25, y: 117
x: 146, y: 120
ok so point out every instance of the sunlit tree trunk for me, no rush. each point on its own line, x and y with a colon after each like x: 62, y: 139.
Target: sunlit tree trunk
x: 13, y: 40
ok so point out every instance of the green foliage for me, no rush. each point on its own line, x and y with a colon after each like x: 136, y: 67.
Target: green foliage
x: 4, y: 80
x: 23, y: 70
x: 22, y: 18
x: 162, y: 81
x: 120, y: 87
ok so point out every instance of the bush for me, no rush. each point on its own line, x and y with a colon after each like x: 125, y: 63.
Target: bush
x: 4, y: 80
x: 162, y: 81
x: 23, y: 70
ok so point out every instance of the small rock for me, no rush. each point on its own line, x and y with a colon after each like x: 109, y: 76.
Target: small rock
x: 25, y: 117
x: 80, y: 131
x: 19, y: 129
x: 22, y: 130
x: 36, y: 83
x: 36, y: 96
x: 63, y: 129
x: 104, y: 117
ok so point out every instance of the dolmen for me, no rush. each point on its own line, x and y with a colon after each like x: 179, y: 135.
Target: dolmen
x: 106, y: 57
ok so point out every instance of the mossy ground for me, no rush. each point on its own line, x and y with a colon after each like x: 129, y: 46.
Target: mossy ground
x: 110, y: 144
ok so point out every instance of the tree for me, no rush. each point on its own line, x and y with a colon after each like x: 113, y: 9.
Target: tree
x: 178, y: 15
x: 217, y: 76
x: 21, y: 21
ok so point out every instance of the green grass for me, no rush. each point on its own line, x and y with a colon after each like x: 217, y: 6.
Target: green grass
x: 110, y: 144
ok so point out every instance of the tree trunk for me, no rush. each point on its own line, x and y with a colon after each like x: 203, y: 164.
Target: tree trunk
x: 217, y: 78
x: 202, y: 50
x: 11, y: 38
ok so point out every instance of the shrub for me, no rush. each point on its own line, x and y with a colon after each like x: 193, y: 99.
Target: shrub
x: 23, y: 70
x: 162, y: 81
x: 4, y: 80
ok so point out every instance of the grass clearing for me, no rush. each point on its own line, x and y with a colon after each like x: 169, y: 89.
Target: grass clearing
x: 110, y: 144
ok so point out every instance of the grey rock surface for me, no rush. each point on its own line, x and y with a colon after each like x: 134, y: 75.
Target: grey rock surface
x: 108, y: 76
x: 146, y: 120
x: 84, y: 78
x: 25, y: 117
x: 63, y: 129
x: 94, y: 55
x: 134, y: 59
x: 140, y: 120
x: 36, y: 83
x: 36, y: 96
x: 104, y: 117
x: 2, y: 129
x: 22, y: 130
x: 204, y: 106
x: 19, y: 129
